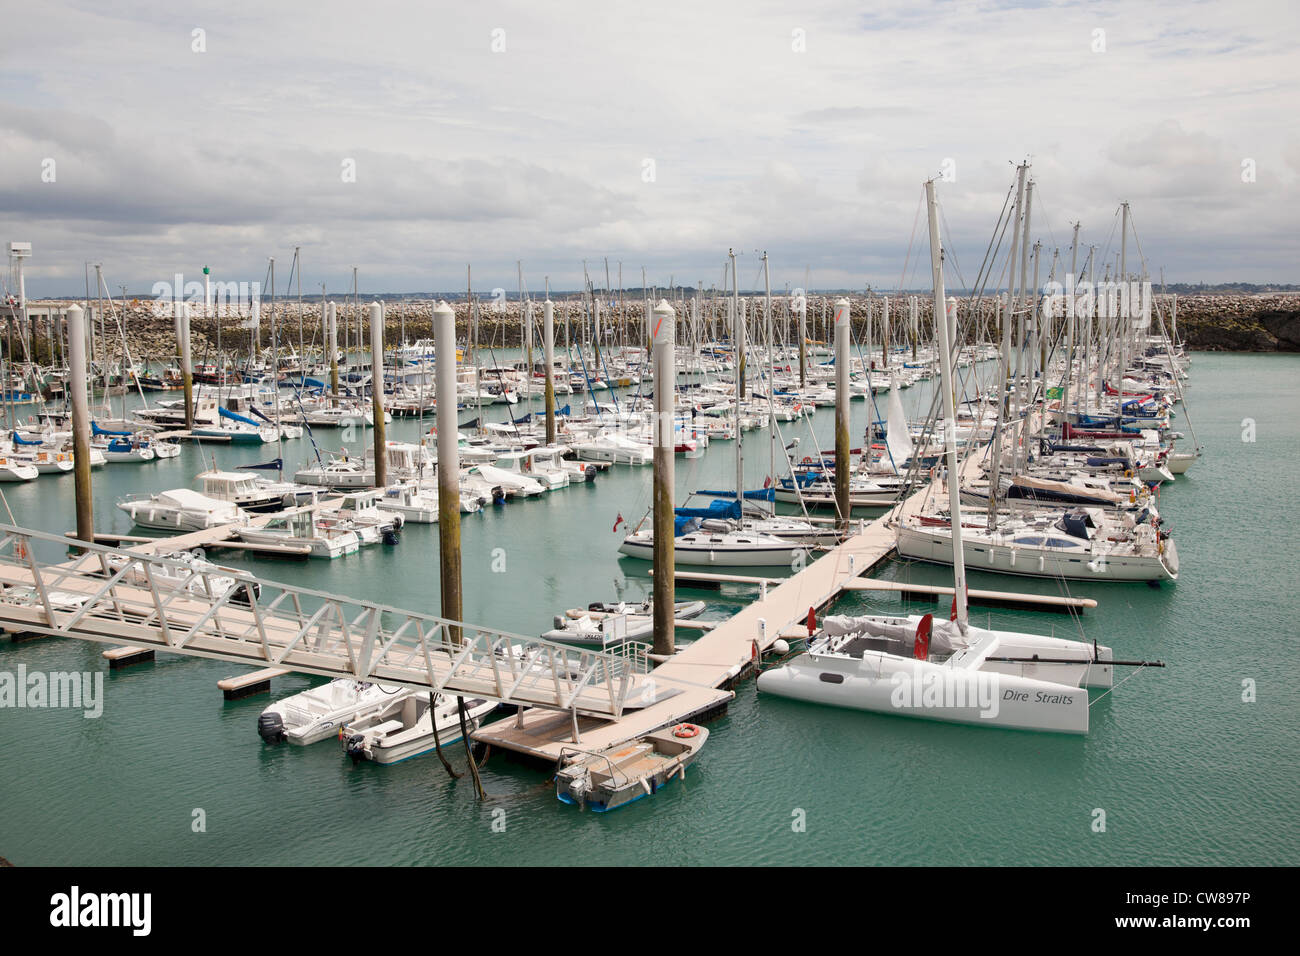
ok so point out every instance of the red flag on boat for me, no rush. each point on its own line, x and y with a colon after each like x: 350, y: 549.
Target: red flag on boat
x: 953, y: 615
x: 767, y: 482
x: 618, y: 521
x: 921, y: 649
x: 812, y: 621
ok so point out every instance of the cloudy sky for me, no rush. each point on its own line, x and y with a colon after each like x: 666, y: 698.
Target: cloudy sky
x: 655, y: 134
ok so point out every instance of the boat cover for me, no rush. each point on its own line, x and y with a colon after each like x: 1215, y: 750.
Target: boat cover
x: 945, y: 636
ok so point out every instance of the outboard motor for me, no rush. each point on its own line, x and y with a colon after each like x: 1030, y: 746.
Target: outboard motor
x: 559, y: 622
x: 590, y: 472
x: 355, y: 746
x: 270, y: 727
x: 390, y: 535
x: 498, y: 495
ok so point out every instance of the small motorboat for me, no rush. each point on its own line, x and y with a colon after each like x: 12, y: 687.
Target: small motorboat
x: 605, y: 624
x: 185, y: 571
x: 404, y: 727
x: 180, y: 510
x: 315, y: 714
x: 323, y: 537
x: 612, y: 778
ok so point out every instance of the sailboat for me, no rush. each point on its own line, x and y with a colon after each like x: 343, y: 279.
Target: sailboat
x: 950, y: 671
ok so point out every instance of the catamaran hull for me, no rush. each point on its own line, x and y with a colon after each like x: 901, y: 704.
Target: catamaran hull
x: 885, y: 684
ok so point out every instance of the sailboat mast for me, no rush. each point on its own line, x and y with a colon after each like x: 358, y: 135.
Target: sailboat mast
x: 738, y: 340
x: 1121, y: 319
x: 949, y: 406
x: 771, y: 371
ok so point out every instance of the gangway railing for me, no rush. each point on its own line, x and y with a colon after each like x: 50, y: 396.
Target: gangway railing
x: 183, y: 604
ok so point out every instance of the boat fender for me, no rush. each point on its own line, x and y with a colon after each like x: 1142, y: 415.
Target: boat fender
x: 686, y: 731
x: 270, y: 727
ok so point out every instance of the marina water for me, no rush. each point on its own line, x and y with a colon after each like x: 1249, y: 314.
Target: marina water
x: 1181, y: 768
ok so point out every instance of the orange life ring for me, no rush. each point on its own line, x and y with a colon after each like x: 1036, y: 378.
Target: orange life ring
x: 686, y: 731
x: 807, y: 460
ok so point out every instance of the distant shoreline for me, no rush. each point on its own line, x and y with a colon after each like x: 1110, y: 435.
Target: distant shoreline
x: 1215, y: 322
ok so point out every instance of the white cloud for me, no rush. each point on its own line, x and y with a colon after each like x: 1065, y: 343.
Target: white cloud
x: 168, y: 157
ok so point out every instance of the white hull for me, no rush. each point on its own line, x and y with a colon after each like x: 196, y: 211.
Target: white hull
x: 982, y: 555
x: 318, y: 713
x: 704, y: 554
x: 328, y: 548
x: 965, y: 689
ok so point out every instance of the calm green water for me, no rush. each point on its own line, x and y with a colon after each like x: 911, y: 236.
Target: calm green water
x: 1186, y: 772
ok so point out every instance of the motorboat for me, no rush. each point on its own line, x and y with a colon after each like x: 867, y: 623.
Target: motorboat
x: 323, y: 537
x: 612, y: 778
x: 320, y: 712
x: 362, y: 510
x: 190, y: 572
x: 180, y: 509
x: 411, y: 501
x: 343, y: 472
x: 247, y: 491
x: 605, y: 625
x: 405, y: 726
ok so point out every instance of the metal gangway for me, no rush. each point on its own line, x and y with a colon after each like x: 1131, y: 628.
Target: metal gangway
x: 167, y: 603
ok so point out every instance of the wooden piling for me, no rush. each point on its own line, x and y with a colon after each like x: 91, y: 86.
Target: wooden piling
x: 444, y: 324
x: 80, y: 423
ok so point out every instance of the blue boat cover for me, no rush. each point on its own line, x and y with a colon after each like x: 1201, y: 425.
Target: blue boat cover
x: 227, y: 413
x: 716, y: 509
x: 760, y: 494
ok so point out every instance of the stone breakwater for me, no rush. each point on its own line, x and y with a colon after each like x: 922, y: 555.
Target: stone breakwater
x: 1261, y: 322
